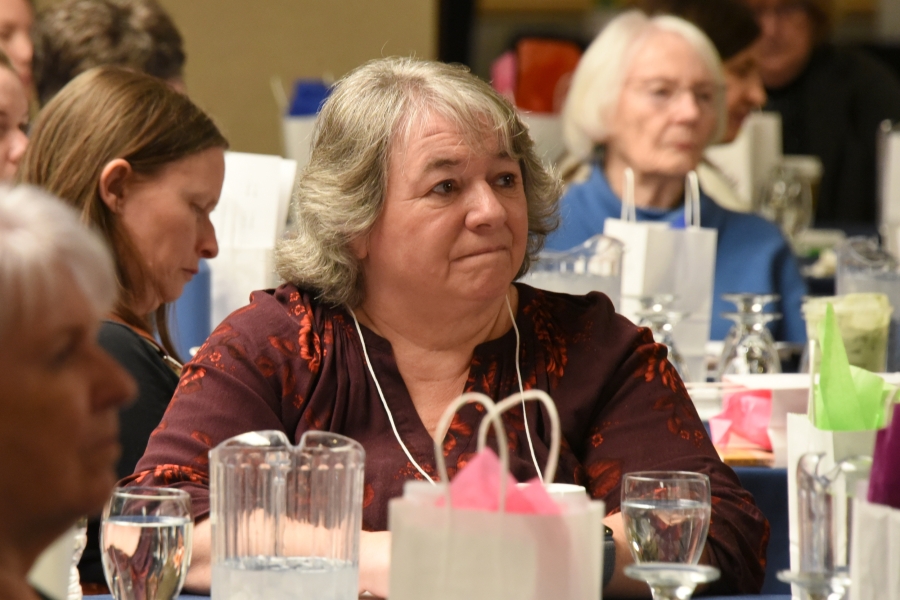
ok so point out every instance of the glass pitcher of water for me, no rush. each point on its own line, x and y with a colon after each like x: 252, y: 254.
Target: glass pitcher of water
x: 286, y: 519
x: 595, y: 265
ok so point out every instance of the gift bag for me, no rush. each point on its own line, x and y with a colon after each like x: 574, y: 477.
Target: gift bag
x: 661, y: 259
x: 501, y: 541
x: 875, y: 552
x: 846, y: 407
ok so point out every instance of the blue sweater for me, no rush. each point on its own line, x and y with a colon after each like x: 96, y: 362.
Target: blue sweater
x: 751, y: 255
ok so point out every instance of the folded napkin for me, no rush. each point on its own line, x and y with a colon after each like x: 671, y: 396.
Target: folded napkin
x: 746, y: 414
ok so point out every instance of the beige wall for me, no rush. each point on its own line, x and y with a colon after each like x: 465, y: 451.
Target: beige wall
x: 235, y: 47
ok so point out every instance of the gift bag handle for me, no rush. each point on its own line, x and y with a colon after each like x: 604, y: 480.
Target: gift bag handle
x: 522, y: 397
x: 629, y: 212
x: 691, y: 200
x: 491, y: 417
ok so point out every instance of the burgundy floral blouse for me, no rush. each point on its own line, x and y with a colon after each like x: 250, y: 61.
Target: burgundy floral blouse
x: 288, y: 362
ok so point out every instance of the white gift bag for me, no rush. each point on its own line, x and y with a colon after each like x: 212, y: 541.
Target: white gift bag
x: 658, y: 259
x: 442, y: 553
x: 875, y: 552
x: 802, y: 437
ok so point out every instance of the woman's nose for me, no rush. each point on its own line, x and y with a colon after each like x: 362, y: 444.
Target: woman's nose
x: 757, y: 90
x: 687, y: 107
x: 485, y: 207
x: 208, y: 246
x: 17, y: 149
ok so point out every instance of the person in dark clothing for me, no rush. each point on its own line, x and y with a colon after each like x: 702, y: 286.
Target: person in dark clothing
x: 145, y: 166
x: 60, y: 392
x: 831, y: 101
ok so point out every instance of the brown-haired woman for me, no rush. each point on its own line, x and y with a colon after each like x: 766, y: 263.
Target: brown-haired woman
x: 144, y: 166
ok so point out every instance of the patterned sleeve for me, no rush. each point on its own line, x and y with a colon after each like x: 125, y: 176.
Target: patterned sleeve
x: 253, y: 373
x: 649, y: 423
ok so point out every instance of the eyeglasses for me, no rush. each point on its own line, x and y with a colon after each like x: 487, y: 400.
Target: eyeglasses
x: 665, y: 93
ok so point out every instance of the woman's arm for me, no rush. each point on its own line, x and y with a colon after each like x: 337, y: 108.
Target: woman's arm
x: 648, y: 422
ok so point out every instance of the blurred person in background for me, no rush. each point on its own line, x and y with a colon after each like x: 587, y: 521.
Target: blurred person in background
x: 732, y: 28
x: 60, y: 392
x: 649, y: 95
x: 72, y: 36
x: 16, y: 22
x: 13, y: 119
x: 831, y: 101
x: 143, y: 165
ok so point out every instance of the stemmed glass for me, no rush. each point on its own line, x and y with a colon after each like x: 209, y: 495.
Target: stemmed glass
x: 754, y: 350
x: 666, y: 516
x: 661, y: 323
x: 786, y: 199
x: 145, y: 539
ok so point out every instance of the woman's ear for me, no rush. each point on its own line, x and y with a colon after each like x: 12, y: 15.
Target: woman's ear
x: 360, y: 246
x: 112, y: 185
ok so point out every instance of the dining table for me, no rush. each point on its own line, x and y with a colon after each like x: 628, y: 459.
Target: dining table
x: 756, y: 597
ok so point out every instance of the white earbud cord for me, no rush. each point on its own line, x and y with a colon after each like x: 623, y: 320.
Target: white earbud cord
x: 522, y: 390
x: 384, y: 401
x: 391, y: 416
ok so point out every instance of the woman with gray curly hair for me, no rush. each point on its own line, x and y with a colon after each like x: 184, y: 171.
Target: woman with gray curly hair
x: 423, y: 201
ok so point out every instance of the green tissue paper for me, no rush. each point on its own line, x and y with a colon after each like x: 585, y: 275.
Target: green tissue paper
x: 847, y: 398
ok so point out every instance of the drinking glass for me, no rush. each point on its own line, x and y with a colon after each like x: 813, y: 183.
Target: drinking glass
x: 145, y: 538
x: 666, y: 516
x: 753, y: 351
x: 660, y: 322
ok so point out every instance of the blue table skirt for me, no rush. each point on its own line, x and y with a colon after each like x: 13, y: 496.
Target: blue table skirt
x: 769, y: 489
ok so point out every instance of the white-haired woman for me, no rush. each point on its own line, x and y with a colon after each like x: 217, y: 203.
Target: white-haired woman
x: 422, y: 202
x: 60, y: 393
x: 649, y: 95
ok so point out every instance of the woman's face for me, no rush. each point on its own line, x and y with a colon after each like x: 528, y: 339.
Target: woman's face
x: 744, y: 90
x: 16, y: 21
x: 167, y: 216
x: 666, y: 114
x: 13, y: 121
x: 787, y: 40
x: 60, y: 396
x: 454, y: 225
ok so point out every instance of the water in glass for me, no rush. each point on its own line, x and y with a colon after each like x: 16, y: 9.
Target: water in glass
x: 284, y: 578
x: 146, y: 543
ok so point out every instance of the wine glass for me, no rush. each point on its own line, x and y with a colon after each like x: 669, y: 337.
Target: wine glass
x: 754, y: 351
x: 145, y: 539
x: 786, y: 199
x: 660, y: 322
x: 666, y: 516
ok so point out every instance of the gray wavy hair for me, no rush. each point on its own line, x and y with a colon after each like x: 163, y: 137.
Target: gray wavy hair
x: 39, y: 238
x: 341, y: 193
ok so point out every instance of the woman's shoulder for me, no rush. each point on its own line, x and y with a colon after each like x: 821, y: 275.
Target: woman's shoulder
x: 590, y: 319
x: 132, y: 350
x: 285, y: 305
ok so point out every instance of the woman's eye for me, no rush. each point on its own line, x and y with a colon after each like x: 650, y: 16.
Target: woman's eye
x: 444, y: 187
x: 507, y: 180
